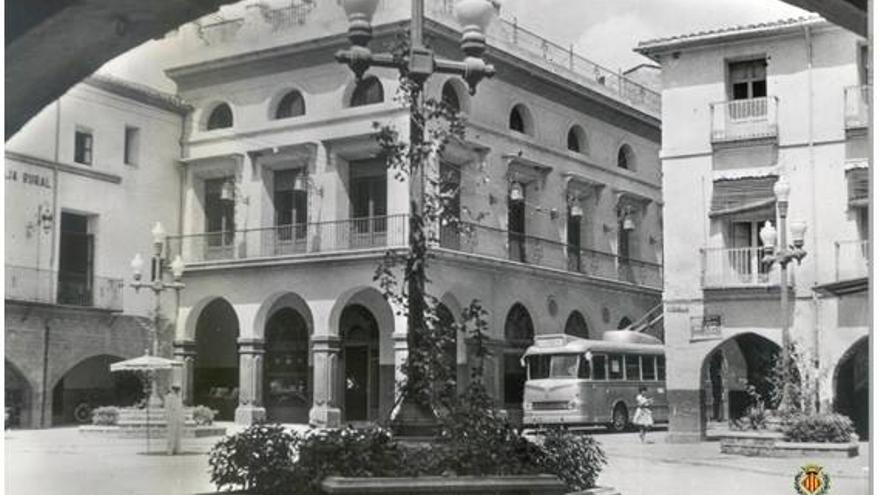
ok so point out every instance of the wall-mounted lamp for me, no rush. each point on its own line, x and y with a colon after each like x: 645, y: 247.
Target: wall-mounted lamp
x: 302, y: 183
x: 576, y: 211
x: 516, y: 192
x: 227, y: 191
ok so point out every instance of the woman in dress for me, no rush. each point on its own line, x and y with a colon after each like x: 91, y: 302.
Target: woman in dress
x: 642, y: 416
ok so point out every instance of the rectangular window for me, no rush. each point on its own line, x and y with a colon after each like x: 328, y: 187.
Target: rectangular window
x: 76, y: 261
x: 132, y: 145
x: 748, y: 79
x: 661, y: 368
x: 539, y: 367
x: 864, y: 64
x: 584, y: 369
x: 615, y: 367
x: 291, y: 205
x: 648, y: 368
x: 599, y: 367
x: 82, y: 147
x: 219, y: 212
x: 632, y: 368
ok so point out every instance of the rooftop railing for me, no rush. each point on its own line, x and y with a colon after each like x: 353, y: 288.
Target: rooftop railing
x: 753, y: 118
x: 30, y: 284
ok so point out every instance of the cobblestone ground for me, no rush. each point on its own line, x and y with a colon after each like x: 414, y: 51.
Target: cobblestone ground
x: 64, y: 461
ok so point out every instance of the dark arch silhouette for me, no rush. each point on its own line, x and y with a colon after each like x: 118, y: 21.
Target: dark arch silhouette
x: 576, y: 325
x: 291, y: 105
x: 368, y: 91
x: 215, y: 377
x: 287, y: 377
x: 220, y: 117
x: 360, y: 363
x: 852, y: 386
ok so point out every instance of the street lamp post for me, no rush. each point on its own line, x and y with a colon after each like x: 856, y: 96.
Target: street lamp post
x: 158, y: 285
x: 417, y: 66
x: 783, y: 254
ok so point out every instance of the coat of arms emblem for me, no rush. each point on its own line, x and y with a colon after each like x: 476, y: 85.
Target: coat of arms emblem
x: 812, y: 481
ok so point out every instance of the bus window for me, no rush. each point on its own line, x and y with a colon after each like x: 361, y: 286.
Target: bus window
x: 661, y: 367
x: 539, y: 367
x: 564, y: 366
x: 632, y: 368
x: 584, y: 369
x: 615, y: 367
x: 599, y: 367
x: 648, y: 368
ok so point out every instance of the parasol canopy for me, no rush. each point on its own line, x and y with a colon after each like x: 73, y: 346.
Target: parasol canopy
x: 146, y: 363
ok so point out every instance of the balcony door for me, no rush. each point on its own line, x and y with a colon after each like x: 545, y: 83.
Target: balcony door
x: 219, y: 218
x: 369, y: 204
x: 516, y: 227
x: 75, y: 261
x: 291, y: 213
x: 574, y: 242
x: 745, y: 256
x: 748, y: 89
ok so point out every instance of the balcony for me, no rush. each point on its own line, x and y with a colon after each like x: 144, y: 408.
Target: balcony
x: 851, y: 259
x: 285, y: 240
x: 856, y: 101
x: 736, y: 267
x: 742, y: 120
x: 380, y: 233
x: 72, y: 289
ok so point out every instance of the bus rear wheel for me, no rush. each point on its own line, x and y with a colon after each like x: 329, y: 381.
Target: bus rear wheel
x: 619, y: 419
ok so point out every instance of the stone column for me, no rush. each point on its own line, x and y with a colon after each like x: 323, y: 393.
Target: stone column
x: 185, y: 352
x: 250, y: 382
x: 400, y: 353
x: 325, y: 410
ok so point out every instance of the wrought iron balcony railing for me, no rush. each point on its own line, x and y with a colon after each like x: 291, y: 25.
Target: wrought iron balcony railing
x: 30, y: 284
x: 736, y: 267
x: 753, y: 118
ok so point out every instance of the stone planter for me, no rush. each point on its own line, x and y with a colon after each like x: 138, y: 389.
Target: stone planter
x: 773, y: 444
x: 542, y: 484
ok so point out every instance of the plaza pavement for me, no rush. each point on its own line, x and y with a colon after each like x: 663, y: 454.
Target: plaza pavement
x: 64, y: 461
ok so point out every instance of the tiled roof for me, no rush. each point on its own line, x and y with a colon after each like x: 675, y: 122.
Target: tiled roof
x: 713, y: 34
x: 139, y: 92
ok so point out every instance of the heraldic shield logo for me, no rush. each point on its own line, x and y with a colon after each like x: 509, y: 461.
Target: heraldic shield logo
x: 812, y: 481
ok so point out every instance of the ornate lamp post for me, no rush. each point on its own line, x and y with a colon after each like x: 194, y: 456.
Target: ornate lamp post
x: 417, y: 66
x: 158, y: 285
x: 783, y: 254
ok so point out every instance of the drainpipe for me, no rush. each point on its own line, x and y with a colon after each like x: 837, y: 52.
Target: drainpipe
x: 808, y: 42
x: 55, y: 213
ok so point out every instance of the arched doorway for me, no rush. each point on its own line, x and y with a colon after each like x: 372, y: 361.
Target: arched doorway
x: 90, y: 384
x: 576, y: 325
x: 19, y: 405
x: 287, y: 378
x: 519, y: 333
x: 851, y: 386
x: 215, y: 377
x: 729, y: 369
x: 360, y: 363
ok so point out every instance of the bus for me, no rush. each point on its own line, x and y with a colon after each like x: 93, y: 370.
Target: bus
x: 578, y: 382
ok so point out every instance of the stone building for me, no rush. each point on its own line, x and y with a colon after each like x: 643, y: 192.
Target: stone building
x: 743, y: 107
x: 85, y: 181
x: 287, y: 209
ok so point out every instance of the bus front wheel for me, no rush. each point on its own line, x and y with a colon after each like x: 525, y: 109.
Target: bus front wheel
x: 620, y: 418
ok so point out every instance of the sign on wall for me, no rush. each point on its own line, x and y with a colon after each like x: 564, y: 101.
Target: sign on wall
x: 705, y: 327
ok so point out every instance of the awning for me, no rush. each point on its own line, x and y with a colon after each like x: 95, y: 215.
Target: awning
x: 858, y: 187
x: 742, y: 195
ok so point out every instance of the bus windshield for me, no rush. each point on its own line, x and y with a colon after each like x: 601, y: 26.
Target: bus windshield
x: 553, y: 366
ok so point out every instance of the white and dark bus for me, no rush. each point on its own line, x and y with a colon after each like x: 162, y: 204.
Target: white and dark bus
x: 579, y: 382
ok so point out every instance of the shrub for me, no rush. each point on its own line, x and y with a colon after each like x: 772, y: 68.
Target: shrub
x: 259, y: 458
x: 756, y: 415
x: 203, y: 415
x: 826, y: 427
x: 107, y: 415
x: 575, y: 459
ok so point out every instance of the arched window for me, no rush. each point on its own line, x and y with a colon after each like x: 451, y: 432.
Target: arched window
x: 291, y: 105
x: 517, y: 120
x: 577, y: 139
x: 367, y: 92
x: 220, y: 118
x: 450, y: 96
x: 519, y: 333
x: 576, y: 325
x: 626, y: 158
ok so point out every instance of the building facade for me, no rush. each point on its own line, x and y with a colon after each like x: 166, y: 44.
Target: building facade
x: 743, y: 107
x: 85, y: 181
x: 288, y: 209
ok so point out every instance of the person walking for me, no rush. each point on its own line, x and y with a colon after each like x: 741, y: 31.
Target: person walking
x: 173, y: 419
x: 643, y: 417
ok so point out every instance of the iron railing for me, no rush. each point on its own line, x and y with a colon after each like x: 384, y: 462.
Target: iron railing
x: 856, y: 101
x: 753, y: 118
x: 282, y: 240
x: 736, y: 267
x: 851, y: 259
x: 67, y: 288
